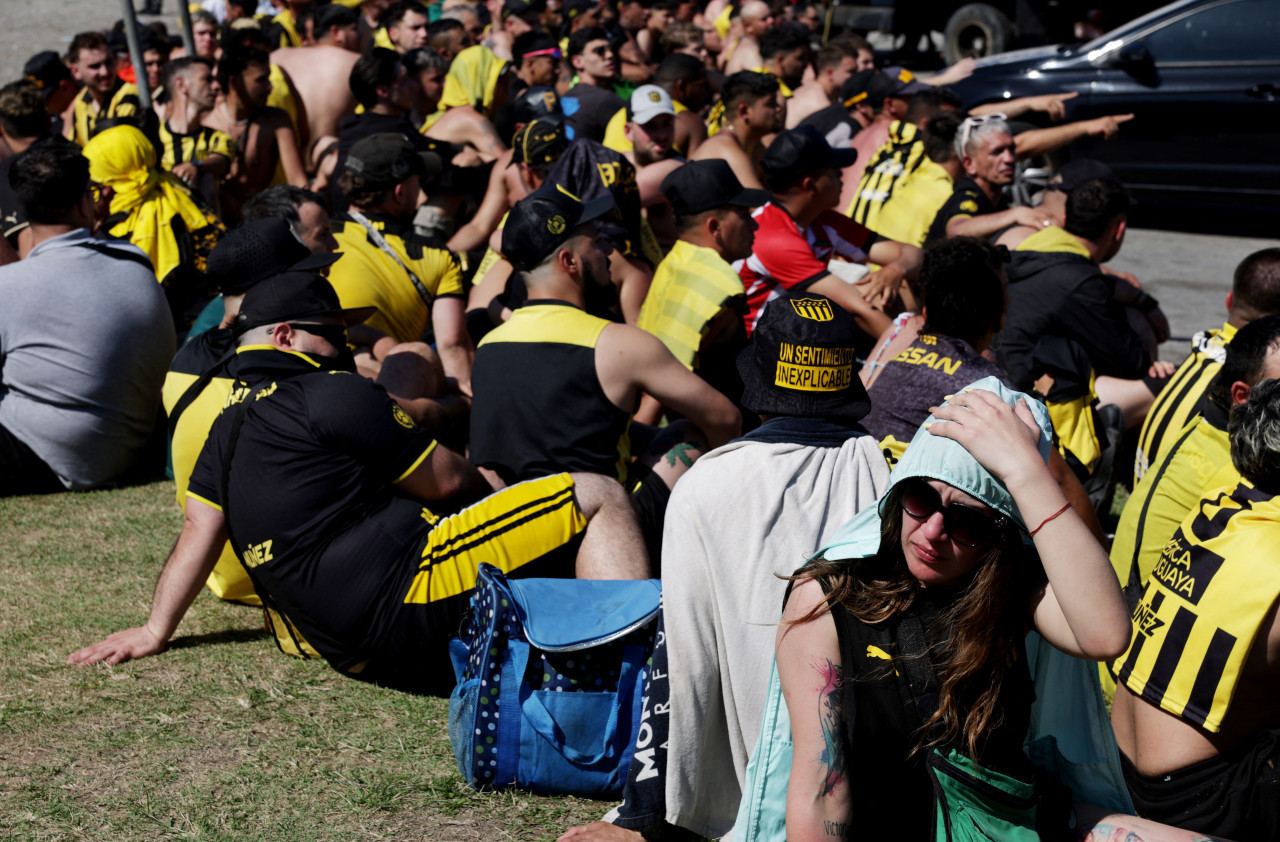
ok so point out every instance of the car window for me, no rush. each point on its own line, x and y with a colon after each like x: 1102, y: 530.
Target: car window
x: 1235, y: 31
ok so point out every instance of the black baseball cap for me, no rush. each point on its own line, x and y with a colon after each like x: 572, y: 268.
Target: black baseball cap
x: 857, y: 88
x: 797, y: 152
x: 573, y: 8
x: 802, y: 362
x: 257, y: 250
x: 46, y: 70
x: 708, y: 184
x: 540, y: 142
x: 902, y: 82
x: 542, y: 221
x: 537, y: 103
x: 294, y: 295
x: 388, y: 158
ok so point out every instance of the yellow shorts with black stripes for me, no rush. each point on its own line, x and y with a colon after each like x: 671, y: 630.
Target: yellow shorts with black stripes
x: 508, y: 529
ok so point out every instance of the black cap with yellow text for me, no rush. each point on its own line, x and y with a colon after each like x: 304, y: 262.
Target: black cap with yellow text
x: 802, y: 363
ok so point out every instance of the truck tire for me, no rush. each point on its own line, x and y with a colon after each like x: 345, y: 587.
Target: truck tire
x: 977, y: 30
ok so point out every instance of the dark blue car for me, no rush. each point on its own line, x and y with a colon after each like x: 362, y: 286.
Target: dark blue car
x: 1202, y: 78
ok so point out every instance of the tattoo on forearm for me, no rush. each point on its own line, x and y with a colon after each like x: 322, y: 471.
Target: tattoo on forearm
x: 831, y: 720
x: 836, y: 830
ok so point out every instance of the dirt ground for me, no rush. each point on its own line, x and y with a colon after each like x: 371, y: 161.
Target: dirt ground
x: 29, y: 26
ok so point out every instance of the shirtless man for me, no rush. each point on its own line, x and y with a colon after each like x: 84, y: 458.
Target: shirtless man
x: 320, y: 75
x: 835, y: 63
x: 1195, y: 714
x: 753, y: 108
x: 267, y: 147
x: 756, y: 19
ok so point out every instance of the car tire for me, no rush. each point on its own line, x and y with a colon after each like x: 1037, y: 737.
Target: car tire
x: 1030, y: 179
x: 977, y: 30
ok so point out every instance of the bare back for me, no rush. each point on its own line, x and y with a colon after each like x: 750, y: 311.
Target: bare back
x: 1157, y: 742
x: 320, y: 77
x: 726, y: 147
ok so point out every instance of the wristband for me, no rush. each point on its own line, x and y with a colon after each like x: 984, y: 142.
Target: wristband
x: 1033, y: 532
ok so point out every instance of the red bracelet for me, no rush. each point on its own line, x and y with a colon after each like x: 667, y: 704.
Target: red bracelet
x: 1033, y: 532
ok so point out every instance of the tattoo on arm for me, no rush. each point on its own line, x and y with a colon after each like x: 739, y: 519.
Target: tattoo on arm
x: 836, y: 830
x: 831, y: 720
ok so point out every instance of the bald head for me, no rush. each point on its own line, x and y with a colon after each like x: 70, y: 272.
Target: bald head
x: 757, y: 17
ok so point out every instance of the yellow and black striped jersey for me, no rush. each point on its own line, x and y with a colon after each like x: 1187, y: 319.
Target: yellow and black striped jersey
x: 1179, y: 400
x: 897, y: 159
x: 1204, y: 605
x: 123, y: 102
x: 183, y: 148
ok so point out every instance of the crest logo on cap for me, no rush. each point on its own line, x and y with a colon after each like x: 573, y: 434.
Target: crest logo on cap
x: 654, y: 96
x: 814, y: 309
x: 402, y: 417
x: 556, y: 224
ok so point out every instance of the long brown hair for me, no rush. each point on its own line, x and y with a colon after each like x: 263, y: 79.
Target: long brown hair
x: 987, y: 621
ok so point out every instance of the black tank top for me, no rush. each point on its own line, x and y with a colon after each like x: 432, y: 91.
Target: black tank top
x: 890, y: 788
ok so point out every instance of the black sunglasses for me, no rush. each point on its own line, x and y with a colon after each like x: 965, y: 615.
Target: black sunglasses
x: 335, y: 335
x: 967, y: 526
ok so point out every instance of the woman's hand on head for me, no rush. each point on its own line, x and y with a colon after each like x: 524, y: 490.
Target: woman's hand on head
x: 1004, y: 439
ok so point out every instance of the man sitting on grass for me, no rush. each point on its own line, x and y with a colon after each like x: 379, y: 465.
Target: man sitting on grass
x: 352, y: 521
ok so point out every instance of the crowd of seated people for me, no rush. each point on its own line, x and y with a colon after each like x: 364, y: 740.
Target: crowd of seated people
x: 680, y: 284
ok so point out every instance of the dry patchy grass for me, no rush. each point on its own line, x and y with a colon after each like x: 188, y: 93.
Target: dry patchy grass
x: 219, y: 738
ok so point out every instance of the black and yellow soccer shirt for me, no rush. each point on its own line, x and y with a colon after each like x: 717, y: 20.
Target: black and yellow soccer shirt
x: 313, y: 506
x: 893, y: 162
x: 967, y: 200
x: 192, y: 148
x: 123, y: 102
x: 539, y: 408
x: 366, y: 276
x: 1180, y: 399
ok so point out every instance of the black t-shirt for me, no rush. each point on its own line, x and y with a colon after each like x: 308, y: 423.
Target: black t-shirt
x: 835, y: 124
x: 588, y: 110
x: 966, y: 200
x: 313, y: 507
x: 921, y: 376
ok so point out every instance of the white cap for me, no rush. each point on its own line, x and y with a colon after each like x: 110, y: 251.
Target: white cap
x: 648, y: 101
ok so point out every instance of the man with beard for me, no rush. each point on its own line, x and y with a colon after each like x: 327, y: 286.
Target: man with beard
x: 105, y: 95
x: 650, y: 127
x: 555, y: 387
x: 784, y: 53
x: 753, y: 108
x: 265, y: 139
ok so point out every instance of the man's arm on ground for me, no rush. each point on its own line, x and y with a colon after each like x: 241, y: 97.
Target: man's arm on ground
x: 453, y: 343
x: 870, y: 320
x: 1039, y: 141
x: 476, y: 233
x: 204, y: 533
x: 444, y: 475
x: 630, y: 360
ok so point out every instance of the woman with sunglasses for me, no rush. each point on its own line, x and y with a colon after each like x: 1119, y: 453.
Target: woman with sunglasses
x: 938, y: 573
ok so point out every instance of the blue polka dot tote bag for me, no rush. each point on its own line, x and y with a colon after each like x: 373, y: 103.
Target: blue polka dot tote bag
x: 550, y: 673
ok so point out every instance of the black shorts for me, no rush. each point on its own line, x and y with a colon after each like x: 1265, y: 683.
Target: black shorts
x: 649, y: 496
x: 1236, y: 795
x: 22, y: 471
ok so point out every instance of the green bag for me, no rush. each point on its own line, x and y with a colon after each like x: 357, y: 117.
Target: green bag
x: 976, y: 804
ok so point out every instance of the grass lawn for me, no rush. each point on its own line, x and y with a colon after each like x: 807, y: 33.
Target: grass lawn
x: 221, y: 737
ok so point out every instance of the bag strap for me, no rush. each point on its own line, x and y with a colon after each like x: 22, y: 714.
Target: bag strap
x: 541, y: 721
x: 197, y: 388
x: 381, y: 242
x: 917, y: 665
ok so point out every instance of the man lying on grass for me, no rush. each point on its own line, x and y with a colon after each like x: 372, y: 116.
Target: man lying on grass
x: 319, y: 480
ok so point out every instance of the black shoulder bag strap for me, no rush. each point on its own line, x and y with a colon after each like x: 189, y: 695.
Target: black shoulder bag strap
x: 196, y: 389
